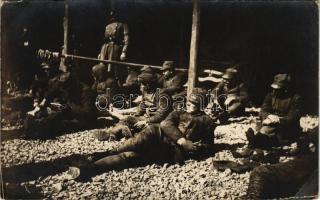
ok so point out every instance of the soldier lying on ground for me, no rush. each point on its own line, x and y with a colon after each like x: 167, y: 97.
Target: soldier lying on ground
x: 182, y: 135
x: 284, y: 179
x: 229, y: 97
x: 280, y: 114
x: 154, y: 107
x: 68, y: 105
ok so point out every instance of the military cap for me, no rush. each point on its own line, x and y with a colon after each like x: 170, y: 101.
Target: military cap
x: 230, y: 73
x: 146, y: 78
x: 280, y: 81
x: 44, y: 65
x: 99, y: 70
x: 197, y: 96
x: 168, y: 65
x: 147, y: 69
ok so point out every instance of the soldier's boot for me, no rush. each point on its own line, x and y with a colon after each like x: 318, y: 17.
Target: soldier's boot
x: 112, y: 162
x: 114, y: 133
x: 302, y: 147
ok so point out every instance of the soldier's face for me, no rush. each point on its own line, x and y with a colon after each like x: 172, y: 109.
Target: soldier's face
x: 191, y: 108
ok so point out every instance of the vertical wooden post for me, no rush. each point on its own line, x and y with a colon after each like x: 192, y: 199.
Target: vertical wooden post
x: 62, y: 66
x: 193, y: 62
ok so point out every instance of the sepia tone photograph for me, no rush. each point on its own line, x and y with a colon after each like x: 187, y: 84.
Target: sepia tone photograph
x: 159, y: 99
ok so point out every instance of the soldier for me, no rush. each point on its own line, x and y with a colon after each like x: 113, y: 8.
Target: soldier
x: 280, y: 114
x: 190, y: 133
x: 154, y: 107
x: 131, y: 85
x: 68, y: 105
x: 171, y: 81
x: 40, y: 84
x: 229, y: 97
x: 284, y: 179
x: 116, y: 45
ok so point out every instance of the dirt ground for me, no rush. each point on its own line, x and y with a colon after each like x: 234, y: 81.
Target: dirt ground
x: 27, y: 169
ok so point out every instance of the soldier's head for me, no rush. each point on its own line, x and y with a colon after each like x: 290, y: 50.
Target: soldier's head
x: 112, y: 15
x: 281, y: 83
x: 168, y: 68
x: 197, y: 100
x: 99, y: 72
x: 46, y: 69
x: 230, y: 76
x: 147, y: 81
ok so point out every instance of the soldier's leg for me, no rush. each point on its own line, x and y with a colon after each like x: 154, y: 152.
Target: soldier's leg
x: 147, y: 138
x: 279, y: 180
x: 118, y: 131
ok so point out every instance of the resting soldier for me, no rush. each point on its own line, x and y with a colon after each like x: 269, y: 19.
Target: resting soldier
x: 190, y: 131
x: 229, y: 97
x: 154, y: 107
x: 68, y: 105
x: 280, y: 114
x: 171, y: 81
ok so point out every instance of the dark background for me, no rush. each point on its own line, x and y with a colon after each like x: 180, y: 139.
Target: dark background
x: 264, y: 37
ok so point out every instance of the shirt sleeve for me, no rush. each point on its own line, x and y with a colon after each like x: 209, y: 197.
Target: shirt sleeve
x: 169, y: 126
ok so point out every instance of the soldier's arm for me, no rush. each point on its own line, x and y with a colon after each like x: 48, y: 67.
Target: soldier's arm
x: 125, y: 38
x: 170, y: 126
x: 244, y: 96
x: 266, y: 107
x: 176, y: 85
x: 162, y: 111
x: 295, y: 111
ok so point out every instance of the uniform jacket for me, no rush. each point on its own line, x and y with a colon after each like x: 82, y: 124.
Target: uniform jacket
x: 194, y: 127
x: 288, y: 108
x: 239, y: 91
x: 156, y: 106
x: 172, y: 84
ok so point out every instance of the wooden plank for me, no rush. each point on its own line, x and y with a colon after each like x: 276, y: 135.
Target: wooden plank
x: 62, y: 66
x: 193, y: 62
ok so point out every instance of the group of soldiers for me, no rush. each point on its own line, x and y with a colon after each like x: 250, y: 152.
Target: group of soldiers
x: 155, y: 127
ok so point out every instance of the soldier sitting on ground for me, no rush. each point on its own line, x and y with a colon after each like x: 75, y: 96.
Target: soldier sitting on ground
x: 171, y: 81
x: 285, y: 179
x: 68, y: 105
x: 229, y: 97
x: 182, y: 135
x: 154, y: 107
x: 280, y: 114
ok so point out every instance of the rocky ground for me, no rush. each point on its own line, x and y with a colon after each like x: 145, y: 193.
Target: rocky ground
x: 194, y: 180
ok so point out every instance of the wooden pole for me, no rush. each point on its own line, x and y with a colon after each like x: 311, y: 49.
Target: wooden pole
x: 193, y: 62
x: 63, y: 66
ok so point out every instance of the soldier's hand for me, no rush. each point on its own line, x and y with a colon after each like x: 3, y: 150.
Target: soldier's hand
x: 123, y: 56
x: 140, y: 124
x: 187, y: 145
x: 274, y: 118
x: 267, y: 121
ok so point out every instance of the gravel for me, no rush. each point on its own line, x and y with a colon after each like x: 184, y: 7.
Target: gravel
x: 194, y: 180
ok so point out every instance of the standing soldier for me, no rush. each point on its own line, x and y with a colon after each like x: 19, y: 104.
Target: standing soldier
x: 116, y: 45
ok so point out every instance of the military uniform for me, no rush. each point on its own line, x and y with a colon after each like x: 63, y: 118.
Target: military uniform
x: 115, y: 46
x: 154, y: 107
x: 177, y: 133
x: 69, y: 106
x: 173, y: 83
x: 285, y: 106
x: 230, y: 97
